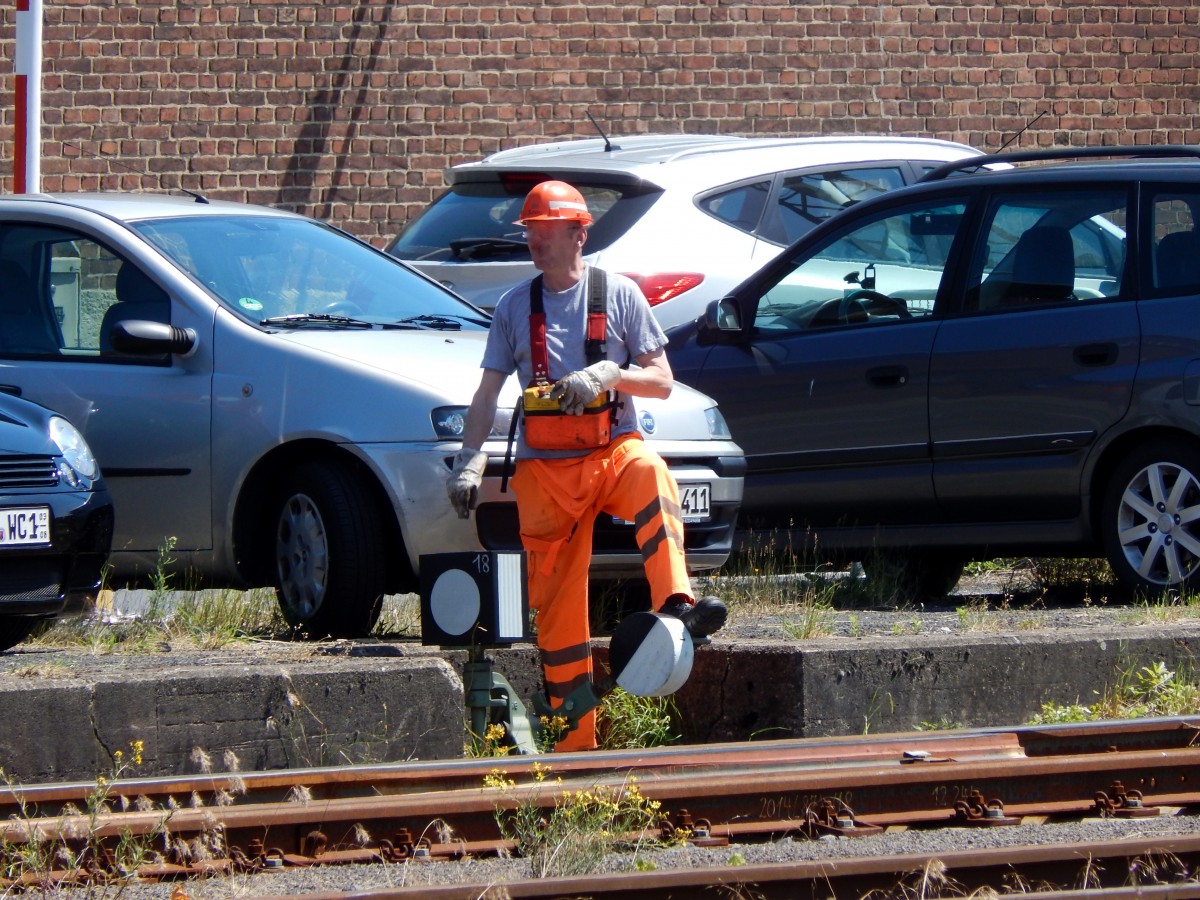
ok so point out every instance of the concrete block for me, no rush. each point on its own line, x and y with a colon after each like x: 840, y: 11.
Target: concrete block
x: 838, y: 687
x: 303, y: 714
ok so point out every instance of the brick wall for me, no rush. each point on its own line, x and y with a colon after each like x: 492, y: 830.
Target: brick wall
x: 350, y: 110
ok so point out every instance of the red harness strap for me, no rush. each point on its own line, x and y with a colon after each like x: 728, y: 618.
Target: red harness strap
x: 595, y: 344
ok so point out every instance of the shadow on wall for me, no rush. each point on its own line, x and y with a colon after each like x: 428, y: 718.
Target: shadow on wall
x: 298, y: 188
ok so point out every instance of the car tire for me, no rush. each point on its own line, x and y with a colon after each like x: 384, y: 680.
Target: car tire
x: 14, y: 629
x: 916, y: 577
x: 329, y: 552
x: 1150, y: 521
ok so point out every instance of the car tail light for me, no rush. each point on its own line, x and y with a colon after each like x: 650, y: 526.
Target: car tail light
x: 662, y: 286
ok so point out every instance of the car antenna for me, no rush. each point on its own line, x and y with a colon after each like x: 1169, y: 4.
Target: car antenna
x: 199, y: 198
x: 1028, y: 125
x: 609, y: 146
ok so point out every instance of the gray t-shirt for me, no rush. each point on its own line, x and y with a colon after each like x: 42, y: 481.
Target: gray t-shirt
x: 632, y: 331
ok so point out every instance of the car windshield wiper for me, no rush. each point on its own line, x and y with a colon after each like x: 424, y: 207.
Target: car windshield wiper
x: 298, y: 320
x: 482, y: 248
x: 438, y: 322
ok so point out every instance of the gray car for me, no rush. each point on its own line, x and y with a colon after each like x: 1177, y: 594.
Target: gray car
x: 998, y: 363
x: 282, y: 399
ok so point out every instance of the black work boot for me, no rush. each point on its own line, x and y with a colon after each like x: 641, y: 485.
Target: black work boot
x: 701, y: 619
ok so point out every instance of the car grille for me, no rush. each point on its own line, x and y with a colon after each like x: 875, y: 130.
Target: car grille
x: 28, y: 472
x: 31, y: 579
x: 499, y: 530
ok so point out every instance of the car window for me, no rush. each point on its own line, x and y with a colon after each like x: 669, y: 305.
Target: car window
x: 1048, y: 247
x: 885, y: 269
x: 806, y: 199
x: 740, y: 206
x: 61, y: 294
x: 1173, y: 218
x: 473, y: 220
x: 265, y: 266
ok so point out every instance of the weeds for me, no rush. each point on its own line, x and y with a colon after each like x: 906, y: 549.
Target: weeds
x: 623, y: 721
x: 1091, y: 580
x: 583, y: 826
x: 627, y: 721
x: 1152, y: 690
x: 78, y: 846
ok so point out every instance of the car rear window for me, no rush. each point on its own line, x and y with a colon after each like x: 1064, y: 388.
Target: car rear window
x: 473, y: 220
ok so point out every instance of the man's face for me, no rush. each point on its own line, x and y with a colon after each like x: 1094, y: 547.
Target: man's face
x: 554, y: 244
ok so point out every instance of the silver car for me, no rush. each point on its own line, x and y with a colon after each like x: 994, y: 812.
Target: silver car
x: 283, y: 400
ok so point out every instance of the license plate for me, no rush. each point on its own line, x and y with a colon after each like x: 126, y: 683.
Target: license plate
x: 24, y: 526
x: 693, y: 502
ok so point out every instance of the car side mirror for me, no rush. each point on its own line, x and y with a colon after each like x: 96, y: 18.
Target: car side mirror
x: 723, y: 316
x: 142, y: 337
x: 720, y: 324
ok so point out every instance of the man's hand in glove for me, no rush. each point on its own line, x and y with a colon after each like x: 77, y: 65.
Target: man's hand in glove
x: 463, y: 485
x: 577, y: 389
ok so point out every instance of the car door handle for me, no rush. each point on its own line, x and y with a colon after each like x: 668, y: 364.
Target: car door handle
x: 11, y: 389
x: 888, y: 376
x: 1092, y: 355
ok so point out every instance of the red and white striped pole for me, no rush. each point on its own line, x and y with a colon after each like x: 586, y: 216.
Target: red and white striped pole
x: 27, y: 158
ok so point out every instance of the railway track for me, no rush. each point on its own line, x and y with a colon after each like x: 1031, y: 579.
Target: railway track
x: 716, y: 795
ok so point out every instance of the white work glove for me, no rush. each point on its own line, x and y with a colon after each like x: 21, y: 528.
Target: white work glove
x: 577, y: 389
x: 463, y: 484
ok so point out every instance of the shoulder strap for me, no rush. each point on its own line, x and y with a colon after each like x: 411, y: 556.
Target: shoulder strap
x: 596, y: 343
x: 596, y: 346
x: 538, y: 356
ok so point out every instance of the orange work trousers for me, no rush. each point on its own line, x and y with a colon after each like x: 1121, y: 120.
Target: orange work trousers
x: 558, y: 501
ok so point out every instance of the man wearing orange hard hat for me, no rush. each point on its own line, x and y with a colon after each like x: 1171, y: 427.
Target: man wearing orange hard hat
x: 571, y: 333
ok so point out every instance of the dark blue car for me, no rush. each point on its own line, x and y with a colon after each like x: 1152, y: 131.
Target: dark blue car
x: 56, y: 517
x: 988, y: 363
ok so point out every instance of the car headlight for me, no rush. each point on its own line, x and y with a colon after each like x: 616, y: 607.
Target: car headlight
x: 449, y: 422
x: 78, y: 466
x: 717, y: 426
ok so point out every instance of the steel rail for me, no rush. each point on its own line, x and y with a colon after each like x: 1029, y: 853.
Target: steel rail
x: 716, y: 794
x: 424, y: 776
x: 1111, y: 864
x: 838, y: 798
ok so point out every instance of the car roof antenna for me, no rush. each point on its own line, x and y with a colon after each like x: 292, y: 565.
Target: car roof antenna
x: 199, y: 198
x: 609, y: 146
x: 1028, y: 125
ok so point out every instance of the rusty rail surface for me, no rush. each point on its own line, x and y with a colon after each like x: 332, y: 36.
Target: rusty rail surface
x: 1113, y: 870
x: 720, y: 793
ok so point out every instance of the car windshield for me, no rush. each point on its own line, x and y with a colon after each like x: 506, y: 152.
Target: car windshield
x: 473, y: 221
x: 294, y: 272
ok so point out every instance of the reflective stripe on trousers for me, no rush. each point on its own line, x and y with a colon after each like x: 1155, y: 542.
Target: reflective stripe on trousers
x: 558, y: 501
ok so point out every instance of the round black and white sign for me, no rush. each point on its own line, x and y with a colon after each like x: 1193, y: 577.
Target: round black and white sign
x: 650, y: 655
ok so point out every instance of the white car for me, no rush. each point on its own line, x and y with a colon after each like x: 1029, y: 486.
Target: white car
x: 284, y: 400
x: 688, y: 217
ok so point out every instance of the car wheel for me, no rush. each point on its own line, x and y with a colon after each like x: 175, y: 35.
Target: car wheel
x: 14, y: 629
x: 1151, y: 519
x: 329, y: 552
x: 917, y: 576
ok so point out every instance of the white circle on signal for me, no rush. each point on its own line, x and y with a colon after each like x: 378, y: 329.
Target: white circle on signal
x: 454, y: 602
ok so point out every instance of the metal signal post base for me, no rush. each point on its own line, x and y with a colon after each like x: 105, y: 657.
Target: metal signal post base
x: 491, y: 700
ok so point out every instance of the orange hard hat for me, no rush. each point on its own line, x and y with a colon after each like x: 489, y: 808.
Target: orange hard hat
x: 552, y: 200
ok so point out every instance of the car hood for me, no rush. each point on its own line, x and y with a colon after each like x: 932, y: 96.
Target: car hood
x: 23, y: 428
x: 443, y: 361
x: 447, y: 364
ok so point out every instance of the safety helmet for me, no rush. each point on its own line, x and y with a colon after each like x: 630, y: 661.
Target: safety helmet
x: 552, y: 200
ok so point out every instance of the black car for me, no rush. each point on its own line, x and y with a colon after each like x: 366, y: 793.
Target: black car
x: 56, y: 517
x: 993, y: 362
